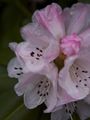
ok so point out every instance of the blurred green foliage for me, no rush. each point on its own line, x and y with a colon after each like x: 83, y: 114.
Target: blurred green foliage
x: 13, y: 15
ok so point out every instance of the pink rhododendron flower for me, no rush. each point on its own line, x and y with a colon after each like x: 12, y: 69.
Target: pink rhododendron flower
x: 71, y: 29
x: 53, y: 32
x: 38, y: 50
x: 74, y: 77
x: 36, y: 88
x: 66, y: 112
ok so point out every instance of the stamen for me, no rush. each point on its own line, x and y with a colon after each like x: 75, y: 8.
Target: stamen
x: 85, y: 79
x: 32, y: 54
x: 76, y: 86
x: 39, y: 85
x: 41, y: 51
x: 85, y: 84
x: 20, y: 68
x: 38, y: 92
x: 37, y: 58
x: 80, y: 80
x: 15, y: 68
x: 37, y: 48
x: 85, y: 71
x: 18, y: 74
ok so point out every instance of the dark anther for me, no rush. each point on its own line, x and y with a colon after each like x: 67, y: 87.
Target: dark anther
x: 38, y: 92
x: 37, y: 48
x: 15, y: 68
x: 39, y: 85
x: 76, y: 68
x: 37, y: 58
x: 88, y: 77
x: 44, y: 95
x: 85, y: 71
x: 38, y: 55
x: 41, y: 94
x: 47, y: 93
x: 85, y: 79
x: 41, y: 51
x: 47, y: 81
x: 20, y: 68
x: 32, y: 54
x: 85, y: 84
x: 41, y: 82
x: 76, y: 86
x: 21, y: 73
x: 18, y: 73
x: 80, y: 80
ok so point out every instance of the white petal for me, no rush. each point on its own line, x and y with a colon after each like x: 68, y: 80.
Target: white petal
x: 14, y: 68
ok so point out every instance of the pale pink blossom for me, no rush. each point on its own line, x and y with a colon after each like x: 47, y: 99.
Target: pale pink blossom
x: 74, y: 76
x: 38, y: 49
x: 52, y: 32
x: 38, y: 87
x: 70, y: 27
x: 35, y: 87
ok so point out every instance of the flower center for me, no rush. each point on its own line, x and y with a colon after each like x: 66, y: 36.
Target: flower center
x: 70, y: 45
x: 59, y: 61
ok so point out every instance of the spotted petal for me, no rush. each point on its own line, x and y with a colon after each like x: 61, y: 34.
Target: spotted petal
x: 39, y: 88
x: 14, y: 68
x: 36, y: 56
x: 72, y: 79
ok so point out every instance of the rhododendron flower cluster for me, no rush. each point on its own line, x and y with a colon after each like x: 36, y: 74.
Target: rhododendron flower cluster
x: 52, y: 34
